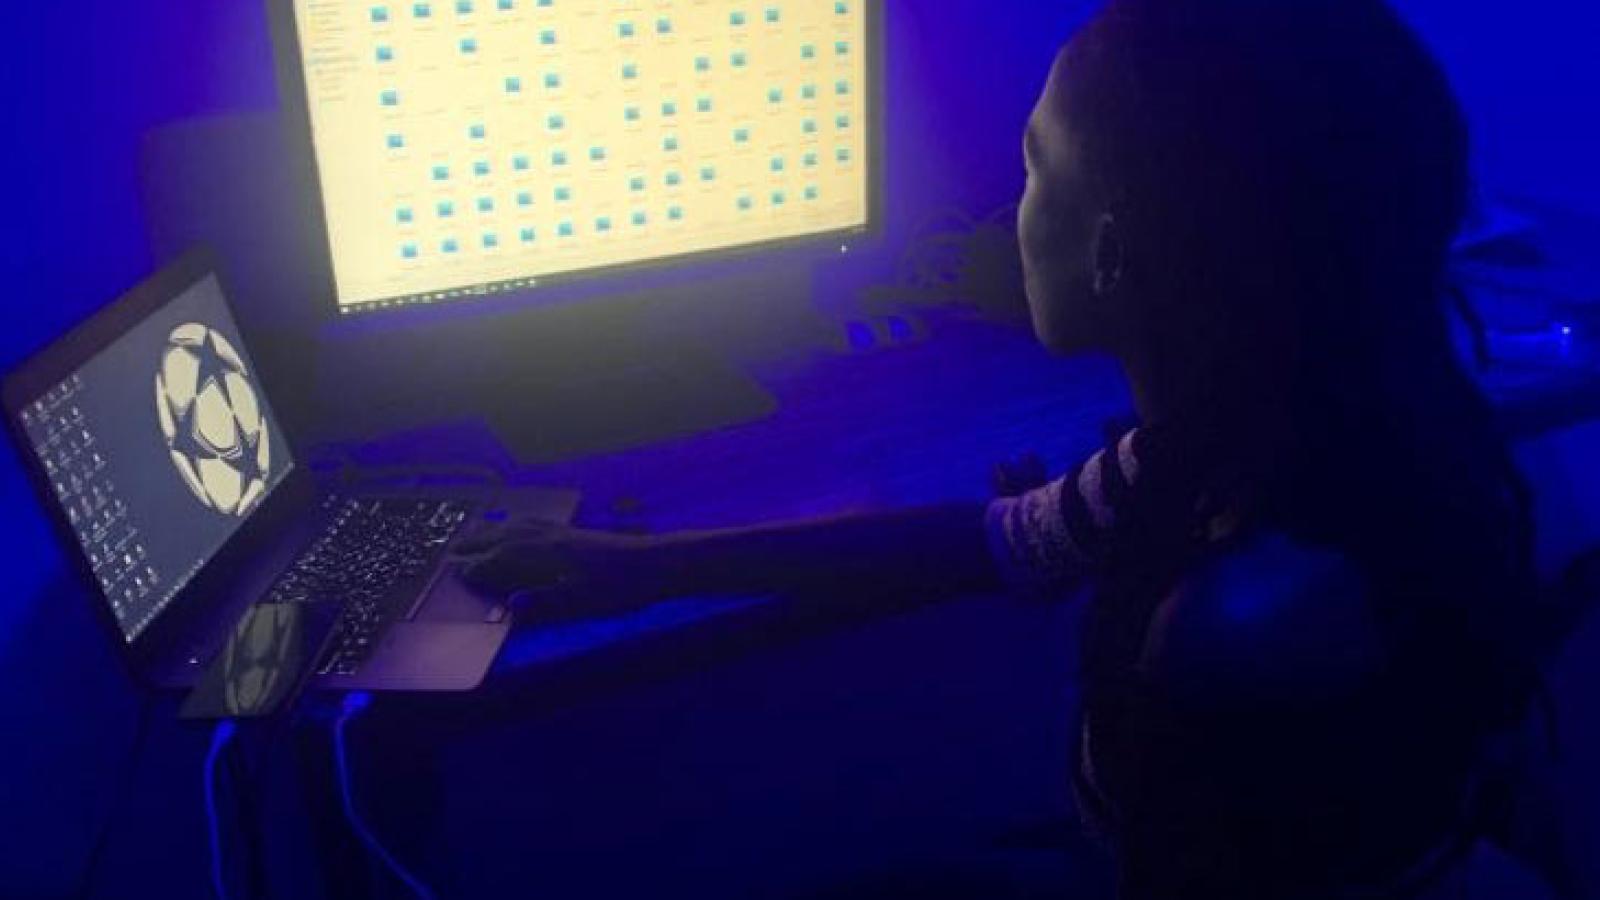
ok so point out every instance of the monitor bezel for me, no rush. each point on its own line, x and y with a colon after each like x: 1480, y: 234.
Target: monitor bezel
x: 200, y: 601
x: 295, y: 104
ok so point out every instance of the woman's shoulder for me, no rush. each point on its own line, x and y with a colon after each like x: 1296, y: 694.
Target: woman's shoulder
x: 1268, y: 614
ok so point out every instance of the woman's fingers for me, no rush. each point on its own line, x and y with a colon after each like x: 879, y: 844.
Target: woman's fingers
x: 488, y: 576
x: 509, y: 567
x: 481, y: 541
x: 503, y: 534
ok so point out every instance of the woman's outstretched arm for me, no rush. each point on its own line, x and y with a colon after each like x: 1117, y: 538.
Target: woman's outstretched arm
x: 935, y: 551
x: 1043, y: 541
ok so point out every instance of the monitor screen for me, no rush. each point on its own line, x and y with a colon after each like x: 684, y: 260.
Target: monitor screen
x: 157, y: 450
x: 466, y: 147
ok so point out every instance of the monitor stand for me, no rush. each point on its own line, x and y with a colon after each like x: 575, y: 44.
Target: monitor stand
x: 543, y: 416
x: 554, y: 383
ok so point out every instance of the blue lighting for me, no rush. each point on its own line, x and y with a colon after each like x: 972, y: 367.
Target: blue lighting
x: 861, y: 336
x: 962, y: 77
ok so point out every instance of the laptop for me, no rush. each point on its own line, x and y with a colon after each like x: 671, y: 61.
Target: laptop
x: 154, y: 446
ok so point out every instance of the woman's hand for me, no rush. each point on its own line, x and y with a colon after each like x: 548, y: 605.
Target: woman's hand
x: 565, y: 573
x: 568, y: 573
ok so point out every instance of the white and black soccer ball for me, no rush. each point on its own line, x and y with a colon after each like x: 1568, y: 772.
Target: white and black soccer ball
x: 255, y: 659
x: 212, y: 420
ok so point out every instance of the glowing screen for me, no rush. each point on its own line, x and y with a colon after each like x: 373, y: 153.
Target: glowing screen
x: 471, y: 146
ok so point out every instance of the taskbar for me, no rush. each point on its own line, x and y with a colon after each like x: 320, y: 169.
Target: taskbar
x: 510, y: 285
x: 513, y: 285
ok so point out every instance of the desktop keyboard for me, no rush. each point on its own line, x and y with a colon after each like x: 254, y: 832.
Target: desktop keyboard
x: 370, y: 549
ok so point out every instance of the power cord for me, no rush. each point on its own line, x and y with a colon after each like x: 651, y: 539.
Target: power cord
x: 141, y: 737
x: 353, y: 705
x: 220, y: 738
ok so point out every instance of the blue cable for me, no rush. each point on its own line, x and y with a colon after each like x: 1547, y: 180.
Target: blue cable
x: 219, y: 741
x: 353, y: 704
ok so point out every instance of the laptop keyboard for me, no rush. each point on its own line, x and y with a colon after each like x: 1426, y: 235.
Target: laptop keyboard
x: 370, y: 548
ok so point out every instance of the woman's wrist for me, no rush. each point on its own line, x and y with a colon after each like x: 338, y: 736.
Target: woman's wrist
x: 677, y: 563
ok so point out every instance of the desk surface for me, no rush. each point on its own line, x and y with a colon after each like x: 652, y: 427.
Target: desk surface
x: 906, y: 425
x: 665, y: 740
x: 900, y: 426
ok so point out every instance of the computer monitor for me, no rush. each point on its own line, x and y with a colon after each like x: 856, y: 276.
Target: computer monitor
x: 473, y: 147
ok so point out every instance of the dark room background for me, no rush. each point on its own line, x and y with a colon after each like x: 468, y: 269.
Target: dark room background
x: 85, y: 81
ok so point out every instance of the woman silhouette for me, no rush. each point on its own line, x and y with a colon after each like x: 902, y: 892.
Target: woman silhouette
x: 1309, y: 566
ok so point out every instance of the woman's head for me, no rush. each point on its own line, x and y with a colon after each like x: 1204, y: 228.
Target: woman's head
x: 1239, y: 175
x: 1251, y: 203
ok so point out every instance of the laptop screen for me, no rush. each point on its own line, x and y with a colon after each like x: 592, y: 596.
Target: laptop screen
x: 158, y: 449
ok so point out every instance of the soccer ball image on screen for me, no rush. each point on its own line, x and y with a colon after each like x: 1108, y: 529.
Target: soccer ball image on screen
x: 212, y: 420
x: 256, y: 659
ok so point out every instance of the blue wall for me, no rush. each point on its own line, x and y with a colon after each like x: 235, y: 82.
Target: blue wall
x: 1530, y: 78
x: 85, y: 85
x: 91, y: 78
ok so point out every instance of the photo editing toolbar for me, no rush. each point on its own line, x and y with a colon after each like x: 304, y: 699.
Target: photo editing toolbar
x: 474, y: 146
